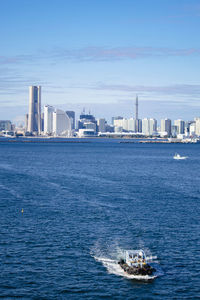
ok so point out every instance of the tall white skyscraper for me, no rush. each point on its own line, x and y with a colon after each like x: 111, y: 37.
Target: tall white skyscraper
x: 197, y: 126
x: 132, y: 125
x: 34, y: 116
x: 145, y: 126
x: 61, y: 122
x: 48, y: 119
x: 149, y: 126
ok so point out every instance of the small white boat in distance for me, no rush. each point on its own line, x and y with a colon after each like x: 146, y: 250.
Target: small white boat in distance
x: 177, y: 156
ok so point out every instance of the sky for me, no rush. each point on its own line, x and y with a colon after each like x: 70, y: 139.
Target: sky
x: 98, y: 54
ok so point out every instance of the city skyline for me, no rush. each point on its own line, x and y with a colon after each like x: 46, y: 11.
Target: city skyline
x: 100, y: 54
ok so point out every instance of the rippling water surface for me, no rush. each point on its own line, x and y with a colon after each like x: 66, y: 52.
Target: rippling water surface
x: 83, y: 205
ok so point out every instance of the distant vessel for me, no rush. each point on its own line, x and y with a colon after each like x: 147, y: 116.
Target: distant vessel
x: 135, y: 263
x: 177, y: 156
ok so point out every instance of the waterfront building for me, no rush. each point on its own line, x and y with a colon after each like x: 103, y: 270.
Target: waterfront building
x: 101, y: 125
x: 86, y: 133
x: 166, y: 126
x: 61, y: 123
x: 193, y: 129
x: 118, y: 122
x: 109, y: 128
x: 42, y: 122
x: 125, y: 124
x: 180, y: 124
x: 34, y: 116
x: 85, y: 119
x: 152, y: 126
x: 145, y: 126
x: 137, y: 129
x: 116, y: 118
x: 197, y: 126
x: 5, y: 125
x: 132, y: 125
x: 174, y: 131
x: 71, y: 115
x: 149, y: 126
x: 48, y: 119
x: 138, y: 125
x: 90, y: 125
x: 26, y: 122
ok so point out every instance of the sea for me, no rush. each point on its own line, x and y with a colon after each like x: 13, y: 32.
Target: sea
x: 69, y: 210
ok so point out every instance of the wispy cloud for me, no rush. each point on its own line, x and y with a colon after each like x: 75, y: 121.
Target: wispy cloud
x: 98, y: 54
x: 177, y: 89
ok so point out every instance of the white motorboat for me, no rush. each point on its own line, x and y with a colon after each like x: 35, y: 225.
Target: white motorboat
x: 179, y: 157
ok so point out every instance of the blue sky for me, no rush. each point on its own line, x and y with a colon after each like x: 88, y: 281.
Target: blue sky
x: 99, y: 54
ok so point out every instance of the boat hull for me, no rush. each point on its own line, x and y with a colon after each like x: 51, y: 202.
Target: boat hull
x: 143, y: 270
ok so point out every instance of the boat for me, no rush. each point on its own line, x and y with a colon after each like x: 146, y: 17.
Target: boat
x: 178, y: 156
x: 135, y: 263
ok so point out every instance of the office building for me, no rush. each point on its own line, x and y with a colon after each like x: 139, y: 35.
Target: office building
x: 71, y: 115
x: 61, y: 123
x: 26, y: 122
x: 149, y: 126
x: 166, y: 126
x: 197, y: 126
x: 34, y: 116
x: 5, y: 125
x: 116, y: 118
x: 101, y: 125
x: 48, y: 119
x: 180, y: 124
x: 132, y: 125
x: 86, y: 119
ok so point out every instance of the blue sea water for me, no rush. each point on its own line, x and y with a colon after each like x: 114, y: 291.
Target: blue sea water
x: 84, y: 204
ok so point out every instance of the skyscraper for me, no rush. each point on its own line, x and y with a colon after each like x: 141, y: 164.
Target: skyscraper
x: 48, y: 119
x: 136, y: 108
x: 34, y: 116
x: 180, y: 126
x: 137, y: 125
x: 71, y: 115
x: 61, y: 123
x: 166, y: 126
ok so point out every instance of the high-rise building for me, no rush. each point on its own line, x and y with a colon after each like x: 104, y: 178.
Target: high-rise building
x: 85, y: 119
x: 61, y: 123
x: 48, y: 119
x: 34, y: 116
x: 26, y: 122
x: 71, y: 115
x: 180, y: 126
x: 197, y: 126
x: 136, y: 107
x: 5, y: 125
x: 131, y: 125
x: 152, y: 126
x: 116, y: 118
x: 101, y: 125
x: 166, y: 125
x: 149, y: 126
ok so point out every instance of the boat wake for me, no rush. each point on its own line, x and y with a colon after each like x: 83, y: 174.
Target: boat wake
x: 113, y: 267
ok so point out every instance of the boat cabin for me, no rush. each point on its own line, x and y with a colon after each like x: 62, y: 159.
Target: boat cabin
x: 135, y: 258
